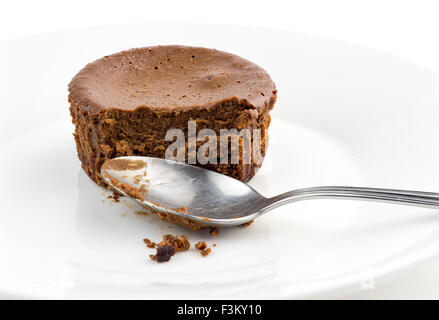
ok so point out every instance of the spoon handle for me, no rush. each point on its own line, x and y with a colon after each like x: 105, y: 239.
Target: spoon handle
x: 413, y: 198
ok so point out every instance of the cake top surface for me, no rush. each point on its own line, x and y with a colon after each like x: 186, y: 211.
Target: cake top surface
x: 170, y: 77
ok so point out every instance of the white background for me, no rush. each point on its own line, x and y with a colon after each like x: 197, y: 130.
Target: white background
x: 409, y: 29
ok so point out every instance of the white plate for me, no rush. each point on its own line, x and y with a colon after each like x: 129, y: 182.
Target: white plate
x: 346, y: 115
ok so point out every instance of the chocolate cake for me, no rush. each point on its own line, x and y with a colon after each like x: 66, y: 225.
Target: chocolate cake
x: 125, y: 103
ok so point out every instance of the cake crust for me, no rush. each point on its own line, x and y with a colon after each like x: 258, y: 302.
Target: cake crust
x: 170, y: 79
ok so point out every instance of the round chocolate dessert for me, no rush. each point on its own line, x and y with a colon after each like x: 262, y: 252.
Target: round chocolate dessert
x: 125, y: 103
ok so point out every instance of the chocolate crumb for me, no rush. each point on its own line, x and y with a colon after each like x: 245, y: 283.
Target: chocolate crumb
x: 179, y: 244
x: 181, y: 209
x: 201, y: 245
x: 149, y: 243
x: 115, y: 196
x: 205, y: 252
x: 214, y: 231
x: 168, y: 247
x: 164, y: 253
x: 247, y: 223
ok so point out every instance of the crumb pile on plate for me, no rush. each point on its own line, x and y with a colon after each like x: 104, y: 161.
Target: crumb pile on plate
x: 202, y: 246
x: 170, y: 245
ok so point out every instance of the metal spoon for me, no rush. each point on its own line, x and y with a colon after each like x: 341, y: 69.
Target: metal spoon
x: 216, y: 199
